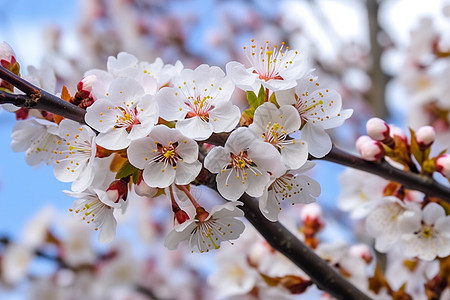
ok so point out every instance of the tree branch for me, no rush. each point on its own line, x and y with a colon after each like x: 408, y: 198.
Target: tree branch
x: 38, y: 98
x: 409, y: 180
x: 281, y: 239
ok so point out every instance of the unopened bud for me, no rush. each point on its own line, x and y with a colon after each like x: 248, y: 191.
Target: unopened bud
x: 443, y: 165
x: 144, y: 190
x: 7, y: 55
x: 311, y: 213
x: 84, y: 97
x: 362, y: 251
x: 425, y: 136
x: 397, y: 131
x: 258, y: 252
x: 362, y: 140
x: 370, y: 150
x: 377, y: 129
x: 117, y: 190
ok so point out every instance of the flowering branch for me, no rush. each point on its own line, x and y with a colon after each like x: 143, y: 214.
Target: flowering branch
x: 38, y: 98
x: 281, y: 239
x: 410, y: 180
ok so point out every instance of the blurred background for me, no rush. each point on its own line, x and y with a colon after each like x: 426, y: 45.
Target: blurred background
x: 384, y: 57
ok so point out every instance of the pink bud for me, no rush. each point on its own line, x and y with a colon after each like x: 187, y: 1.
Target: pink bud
x: 117, y: 190
x: 362, y: 140
x: 362, y: 251
x: 425, y: 136
x: 143, y: 190
x: 311, y: 212
x: 396, y: 131
x: 369, y: 149
x: 86, y: 83
x: 377, y: 129
x: 443, y: 165
x: 7, y: 55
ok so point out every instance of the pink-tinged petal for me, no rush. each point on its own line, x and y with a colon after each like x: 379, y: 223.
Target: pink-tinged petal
x: 186, y: 173
x: 102, y: 115
x: 171, y: 104
x: 242, y: 77
x: 216, y: 159
x: 269, y: 206
x: 257, y: 183
x: 158, y: 175
x: 432, y: 212
x: 225, y: 117
x: 101, y: 84
x: 294, y: 155
x: 229, y: 186
x: 195, y: 128
x: 114, y: 139
x: 319, y: 142
x: 179, y: 233
x: 188, y: 150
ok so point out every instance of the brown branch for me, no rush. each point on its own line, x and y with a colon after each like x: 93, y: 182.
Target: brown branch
x: 409, y: 180
x: 38, y: 98
x: 321, y: 273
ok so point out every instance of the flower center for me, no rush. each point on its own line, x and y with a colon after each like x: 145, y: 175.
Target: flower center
x: 167, y: 154
x: 270, y: 63
x: 427, y: 232
x: 128, y: 119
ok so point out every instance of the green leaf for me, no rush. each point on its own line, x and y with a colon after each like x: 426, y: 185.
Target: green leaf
x: 128, y: 169
x: 252, y: 99
x: 273, y: 99
x: 261, y: 96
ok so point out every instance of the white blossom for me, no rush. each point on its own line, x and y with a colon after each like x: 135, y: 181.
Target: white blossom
x: 275, y: 68
x: 319, y: 109
x: 274, y: 125
x: 166, y: 156
x: 125, y: 114
x: 426, y: 233
x: 204, y: 235
x: 242, y: 164
x: 200, y: 102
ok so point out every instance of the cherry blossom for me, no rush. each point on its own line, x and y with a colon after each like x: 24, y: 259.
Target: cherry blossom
x: 274, y: 125
x: 319, y: 109
x: 242, y: 165
x: 38, y: 138
x: 292, y: 186
x: 383, y: 221
x: 205, y: 234
x: 125, y: 114
x: 275, y: 68
x: 166, y: 156
x: 94, y: 206
x: 426, y: 233
x: 200, y: 102
x: 75, y: 163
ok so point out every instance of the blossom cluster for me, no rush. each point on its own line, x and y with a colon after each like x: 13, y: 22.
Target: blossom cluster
x: 150, y: 129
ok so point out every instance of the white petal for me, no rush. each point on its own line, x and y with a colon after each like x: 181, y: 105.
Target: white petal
x: 158, y: 175
x: 319, y: 142
x: 195, y: 128
x: 216, y: 159
x: 185, y: 173
x: 225, y: 117
x: 294, y: 155
x: 432, y: 212
x: 243, y: 78
x: 179, y: 233
x: 229, y: 186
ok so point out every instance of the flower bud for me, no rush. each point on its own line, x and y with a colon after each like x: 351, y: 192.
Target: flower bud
x: 397, y: 131
x: 181, y: 216
x: 443, y: 165
x: 7, y: 55
x: 362, y: 251
x: 377, y: 129
x: 117, y: 190
x: 311, y: 213
x: 369, y: 149
x: 144, y: 190
x: 425, y: 136
x: 84, y: 97
x: 362, y: 140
